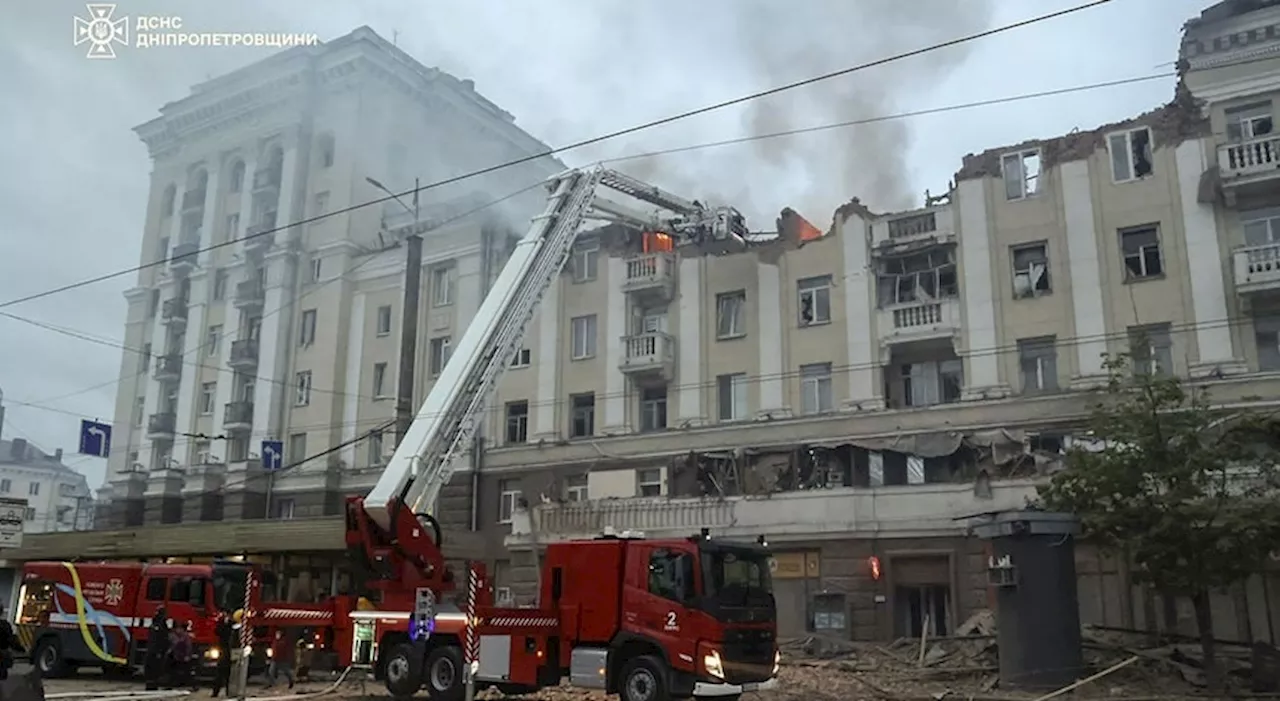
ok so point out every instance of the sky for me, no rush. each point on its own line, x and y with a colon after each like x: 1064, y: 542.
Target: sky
x: 74, y: 186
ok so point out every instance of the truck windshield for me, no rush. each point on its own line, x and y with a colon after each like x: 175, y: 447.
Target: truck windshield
x: 229, y: 583
x: 736, y: 577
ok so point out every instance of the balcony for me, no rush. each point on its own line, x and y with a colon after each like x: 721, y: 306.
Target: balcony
x: 260, y: 236
x: 174, y: 314
x: 1250, y: 167
x: 184, y: 256
x: 169, y: 367
x: 649, y: 358
x: 651, y: 277
x: 193, y: 200
x: 238, y: 416
x: 267, y: 179
x: 249, y: 295
x: 918, y: 510
x: 1257, y: 268
x: 244, y: 356
x: 161, y: 426
x: 919, y: 321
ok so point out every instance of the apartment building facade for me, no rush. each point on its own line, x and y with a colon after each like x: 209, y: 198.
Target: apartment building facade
x: 243, y: 330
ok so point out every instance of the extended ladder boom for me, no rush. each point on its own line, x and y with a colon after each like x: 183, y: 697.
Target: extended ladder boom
x: 445, y: 425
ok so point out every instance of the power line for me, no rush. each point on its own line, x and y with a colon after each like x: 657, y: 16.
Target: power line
x: 588, y: 142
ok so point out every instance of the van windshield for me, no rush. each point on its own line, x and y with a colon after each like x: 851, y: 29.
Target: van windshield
x: 229, y: 582
x: 736, y: 577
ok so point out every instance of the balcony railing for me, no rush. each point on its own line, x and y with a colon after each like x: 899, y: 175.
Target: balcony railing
x: 651, y: 273
x: 193, y: 199
x: 174, y: 311
x: 1257, y: 268
x: 646, y: 350
x: 244, y: 353
x: 920, y: 320
x: 185, y: 254
x: 249, y: 293
x: 1253, y: 157
x: 238, y: 415
x: 168, y: 367
x: 260, y: 234
x: 161, y: 424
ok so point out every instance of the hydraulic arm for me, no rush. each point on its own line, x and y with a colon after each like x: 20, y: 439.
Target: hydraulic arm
x: 392, y: 528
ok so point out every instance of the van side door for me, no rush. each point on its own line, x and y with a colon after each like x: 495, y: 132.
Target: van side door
x: 661, y: 600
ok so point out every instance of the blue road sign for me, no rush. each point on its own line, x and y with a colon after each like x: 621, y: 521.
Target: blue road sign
x: 95, y: 438
x: 272, y: 455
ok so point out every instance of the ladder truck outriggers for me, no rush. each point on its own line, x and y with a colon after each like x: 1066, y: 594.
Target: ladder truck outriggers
x: 646, y: 619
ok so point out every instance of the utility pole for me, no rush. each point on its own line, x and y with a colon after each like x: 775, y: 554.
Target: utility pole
x: 409, y: 323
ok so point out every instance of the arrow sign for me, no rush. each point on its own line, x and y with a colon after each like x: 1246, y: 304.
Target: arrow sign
x: 95, y: 438
x: 272, y: 455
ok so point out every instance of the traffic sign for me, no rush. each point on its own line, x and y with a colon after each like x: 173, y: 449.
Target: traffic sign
x: 272, y: 455
x: 95, y: 438
x: 13, y: 516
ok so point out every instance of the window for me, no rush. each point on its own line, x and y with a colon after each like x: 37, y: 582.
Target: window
x: 1151, y: 349
x: 1140, y: 247
x: 575, y: 488
x: 156, y: 589
x: 509, y: 493
x: 384, y: 320
x: 582, y: 415
x: 671, y: 575
x: 917, y: 277
x: 1130, y: 154
x: 815, y: 300
x: 815, y: 388
x: 6, y: 485
x: 317, y: 267
x: 440, y: 350
x: 649, y: 482
x: 302, y: 388
x: 296, y: 451
x: 1038, y: 360
x: 1031, y: 271
x: 586, y: 260
x: 233, y: 227
x: 1021, y: 174
x: 731, y: 314
x: 284, y: 509
x: 213, y: 340
x: 375, y: 449
x: 325, y: 146
x: 517, y: 422
x: 139, y: 410
x: 30, y: 514
x: 320, y: 207
x: 1266, y: 333
x: 237, y: 176
x: 307, y: 334
x: 33, y: 489
x: 732, y: 391
x: 442, y: 286
x: 379, y: 380
x: 932, y: 382
x: 583, y: 337
x: 219, y: 285
x: 208, y: 396
x: 653, y: 409
x: 1261, y: 226
x: 522, y: 359
x: 1250, y: 121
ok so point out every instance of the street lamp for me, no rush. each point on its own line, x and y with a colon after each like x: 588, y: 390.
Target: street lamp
x: 409, y: 317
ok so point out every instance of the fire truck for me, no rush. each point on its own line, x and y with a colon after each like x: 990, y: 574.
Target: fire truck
x: 73, y: 615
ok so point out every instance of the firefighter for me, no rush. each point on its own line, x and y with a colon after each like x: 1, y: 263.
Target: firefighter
x: 153, y: 666
x: 282, y: 659
x: 180, y: 655
x: 225, y: 631
x: 9, y: 645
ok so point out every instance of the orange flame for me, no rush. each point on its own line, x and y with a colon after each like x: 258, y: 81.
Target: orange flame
x: 658, y: 242
x: 792, y: 225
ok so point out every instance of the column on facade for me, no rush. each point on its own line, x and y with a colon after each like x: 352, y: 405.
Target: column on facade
x: 208, y: 222
x: 470, y: 290
x: 1090, y: 334
x: 157, y: 333
x: 226, y: 389
x: 772, y: 376
x: 351, y: 382
x: 1204, y: 260
x: 192, y: 353
x: 865, y: 393
x: 246, y: 200
x: 291, y: 187
x: 690, y: 392
x: 272, y: 385
x: 547, y: 358
x: 981, y: 342
x: 615, y: 329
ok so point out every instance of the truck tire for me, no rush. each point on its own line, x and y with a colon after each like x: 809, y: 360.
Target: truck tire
x: 47, y: 657
x: 644, y: 679
x: 443, y: 675
x: 403, y: 670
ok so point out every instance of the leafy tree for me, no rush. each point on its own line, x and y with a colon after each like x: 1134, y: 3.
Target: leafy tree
x: 1188, y: 490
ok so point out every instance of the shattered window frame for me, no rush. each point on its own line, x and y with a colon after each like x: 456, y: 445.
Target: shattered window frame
x: 1031, y: 254
x: 935, y: 275
x: 649, y: 482
x: 1125, y: 161
x: 586, y: 260
x: 731, y: 325
x: 1141, y: 252
x: 1261, y: 221
x: 1243, y: 121
x: 817, y: 289
x: 1038, y: 361
x: 1020, y: 181
x: 577, y: 488
x: 816, y: 385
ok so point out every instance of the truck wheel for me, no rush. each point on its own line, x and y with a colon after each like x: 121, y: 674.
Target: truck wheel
x: 644, y: 679
x: 403, y: 671
x: 444, y: 674
x: 47, y: 658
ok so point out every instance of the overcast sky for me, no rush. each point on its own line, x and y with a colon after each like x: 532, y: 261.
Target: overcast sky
x: 73, y: 189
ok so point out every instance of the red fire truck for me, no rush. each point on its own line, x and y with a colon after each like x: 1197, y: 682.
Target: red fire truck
x: 98, y: 614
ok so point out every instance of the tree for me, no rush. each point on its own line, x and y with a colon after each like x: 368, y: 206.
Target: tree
x: 1188, y: 490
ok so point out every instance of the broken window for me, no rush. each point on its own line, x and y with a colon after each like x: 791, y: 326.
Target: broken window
x: 918, y: 277
x: 1261, y: 226
x: 1038, y: 359
x: 731, y: 314
x: 815, y: 300
x: 1140, y: 246
x: 932, y: 382
x: 1021, y: 174
x: 1130, y: 154
x: 1031, y: 271
x: 1250, y: 121
x: 1151, y: 349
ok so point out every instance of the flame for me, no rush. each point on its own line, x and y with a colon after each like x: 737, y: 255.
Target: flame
x: 792, y: 225
x: 658, y: 242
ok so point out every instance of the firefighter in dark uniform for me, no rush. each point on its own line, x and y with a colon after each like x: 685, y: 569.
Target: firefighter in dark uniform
x: 9, y: 644
x: 153, y: 665
x: 225, y: 631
